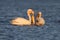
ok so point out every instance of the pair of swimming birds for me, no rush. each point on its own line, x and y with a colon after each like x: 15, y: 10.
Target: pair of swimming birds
x: 39, y: 21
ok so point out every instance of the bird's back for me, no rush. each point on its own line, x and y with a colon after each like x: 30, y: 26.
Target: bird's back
x: 20, y: 21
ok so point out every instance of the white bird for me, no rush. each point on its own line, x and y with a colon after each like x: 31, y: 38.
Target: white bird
x: 40, y: 20
x: 22, y: 21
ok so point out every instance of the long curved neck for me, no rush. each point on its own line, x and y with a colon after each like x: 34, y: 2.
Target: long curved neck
x: 40, y: 16
x: 32, y: 19
x: 29, y: 18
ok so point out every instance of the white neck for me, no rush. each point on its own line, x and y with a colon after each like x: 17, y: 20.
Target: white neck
x: 40, y: 15
x: 29, y: 18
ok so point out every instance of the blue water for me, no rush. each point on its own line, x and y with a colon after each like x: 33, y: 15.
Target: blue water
x: 10, y: 9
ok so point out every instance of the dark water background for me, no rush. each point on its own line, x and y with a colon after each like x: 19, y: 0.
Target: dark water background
x: 10, y: 9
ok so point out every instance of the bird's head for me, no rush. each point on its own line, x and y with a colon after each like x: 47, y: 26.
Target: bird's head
x: 39, y: 14
x: 30, y: 11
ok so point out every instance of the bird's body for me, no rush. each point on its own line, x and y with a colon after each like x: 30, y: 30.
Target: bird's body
x: 23, y: 21
x: 40, y: 20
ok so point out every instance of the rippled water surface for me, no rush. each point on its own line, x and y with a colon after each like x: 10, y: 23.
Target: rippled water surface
x: 10, y: 9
